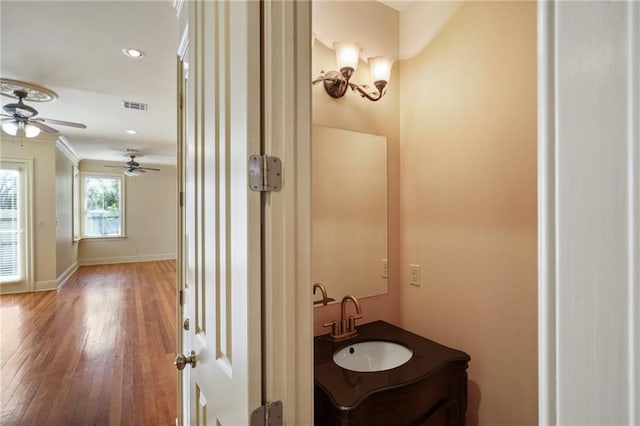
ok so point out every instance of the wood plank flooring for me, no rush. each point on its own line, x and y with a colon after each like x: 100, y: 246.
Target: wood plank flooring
x: 98, y: 351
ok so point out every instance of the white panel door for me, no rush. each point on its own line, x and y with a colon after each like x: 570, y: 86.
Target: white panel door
x: 222, y: 217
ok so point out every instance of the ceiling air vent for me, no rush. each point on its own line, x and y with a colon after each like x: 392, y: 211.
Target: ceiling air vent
x: 135, y: 105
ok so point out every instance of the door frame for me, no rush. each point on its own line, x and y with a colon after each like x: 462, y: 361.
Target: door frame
x: 183, y: 48
x: 287, y: 297
x: 25, y: 164
x: 582, y: 317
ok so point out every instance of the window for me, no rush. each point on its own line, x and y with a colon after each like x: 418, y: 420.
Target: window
x: 75, y: 203
x: 103, y: 203
x: 15, y: 228
x: 10, y: 242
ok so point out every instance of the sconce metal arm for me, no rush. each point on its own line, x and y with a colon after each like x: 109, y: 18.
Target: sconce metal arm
x: 372, y: 96
x: 336, y: 85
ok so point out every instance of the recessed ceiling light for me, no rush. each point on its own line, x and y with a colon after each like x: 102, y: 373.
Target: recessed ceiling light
x: 131, y: 132
x: 133, y: 53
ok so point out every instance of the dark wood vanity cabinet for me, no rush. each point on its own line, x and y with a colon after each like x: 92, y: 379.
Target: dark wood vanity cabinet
x: 430, y: 389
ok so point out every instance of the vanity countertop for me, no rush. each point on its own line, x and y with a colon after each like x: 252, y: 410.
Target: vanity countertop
x: 348, y: 388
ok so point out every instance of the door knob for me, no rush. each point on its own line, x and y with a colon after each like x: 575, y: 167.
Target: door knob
x: 182, y: 360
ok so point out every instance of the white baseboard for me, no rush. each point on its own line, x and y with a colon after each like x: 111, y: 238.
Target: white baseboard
x: 126, y: 259
x: 45, y: 285
x: 62, y: 279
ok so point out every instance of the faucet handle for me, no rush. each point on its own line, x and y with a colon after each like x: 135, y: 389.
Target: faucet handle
x: 334, y: 327
x: 352, y: 322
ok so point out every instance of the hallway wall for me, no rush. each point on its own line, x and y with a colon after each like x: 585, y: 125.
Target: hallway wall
x: 42, y: 151
x: 66, y: 248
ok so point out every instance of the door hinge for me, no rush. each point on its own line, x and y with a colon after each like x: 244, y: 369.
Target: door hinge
x: 270, y: 414
x: 181, y: 296
x: 181, y: 197
x: 265, y: 173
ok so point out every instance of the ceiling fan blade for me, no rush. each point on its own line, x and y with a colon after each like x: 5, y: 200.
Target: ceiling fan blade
x: 6, y: 119
x: 43, y: 126
x: 62, y: 123
x: 148, y: 168
x: 118, y: 167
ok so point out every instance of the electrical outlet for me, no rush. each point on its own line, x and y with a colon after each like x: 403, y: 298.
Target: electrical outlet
x: 414, y: 275
x: 385, y: 268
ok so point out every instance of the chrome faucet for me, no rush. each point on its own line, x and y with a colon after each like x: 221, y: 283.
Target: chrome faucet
x: 346, y: 328
x: 325, y: 299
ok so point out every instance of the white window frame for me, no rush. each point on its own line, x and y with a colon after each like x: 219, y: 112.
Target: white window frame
x: 123, y: 222
x: 76, y: 204
x: 24, y: 283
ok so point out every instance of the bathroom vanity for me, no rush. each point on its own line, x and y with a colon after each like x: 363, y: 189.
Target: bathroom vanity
x: 428, y: 389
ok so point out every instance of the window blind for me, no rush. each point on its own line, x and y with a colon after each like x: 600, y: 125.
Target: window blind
x: 10, y: 241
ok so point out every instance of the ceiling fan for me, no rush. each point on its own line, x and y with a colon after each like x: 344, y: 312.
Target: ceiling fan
x: 133, y: 167
x: 21, y: 117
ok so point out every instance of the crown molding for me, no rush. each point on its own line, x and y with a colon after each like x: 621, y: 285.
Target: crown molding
x: 63, y: 144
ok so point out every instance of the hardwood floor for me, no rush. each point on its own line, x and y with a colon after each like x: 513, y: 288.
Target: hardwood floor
x: 98, y: 351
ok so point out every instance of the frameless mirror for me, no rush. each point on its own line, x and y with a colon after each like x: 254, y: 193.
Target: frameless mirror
x: 348, y: 212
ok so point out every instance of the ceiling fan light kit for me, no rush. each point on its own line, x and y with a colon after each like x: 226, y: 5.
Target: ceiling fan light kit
x: 17, y: 129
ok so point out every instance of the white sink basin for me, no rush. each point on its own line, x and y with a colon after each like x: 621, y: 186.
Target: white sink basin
x: 372, y: 356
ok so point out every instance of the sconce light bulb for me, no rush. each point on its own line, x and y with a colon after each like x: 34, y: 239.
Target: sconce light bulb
x: 347, y: 54
x: 380, y: 68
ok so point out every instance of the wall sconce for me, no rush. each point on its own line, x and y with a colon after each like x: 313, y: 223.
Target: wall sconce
x: 347, y: 56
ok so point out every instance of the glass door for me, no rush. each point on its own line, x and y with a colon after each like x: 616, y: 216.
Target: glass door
x: 14, y: 227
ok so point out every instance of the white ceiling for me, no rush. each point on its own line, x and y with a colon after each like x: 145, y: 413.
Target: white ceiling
x: 74, y: 48
x: 418, y: 23
x: 398, y: 5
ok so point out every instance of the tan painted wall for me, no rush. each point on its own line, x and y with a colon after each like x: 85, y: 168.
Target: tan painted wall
x: 354, y: 113
x: 66, y: 248
x: 468, y: 202
x: 42, y: 151
x: 151, y: 219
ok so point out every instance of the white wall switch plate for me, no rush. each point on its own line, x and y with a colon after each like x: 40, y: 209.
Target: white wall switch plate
x: 385, y: 268
x: 414, y: 275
